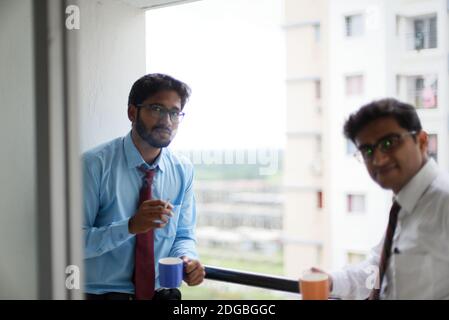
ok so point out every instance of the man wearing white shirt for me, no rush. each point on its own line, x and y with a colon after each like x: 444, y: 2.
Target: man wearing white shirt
x: 412, y: 260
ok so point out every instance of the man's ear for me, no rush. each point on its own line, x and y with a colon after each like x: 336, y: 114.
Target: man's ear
x: 132, y: 113
x: 423, y: 141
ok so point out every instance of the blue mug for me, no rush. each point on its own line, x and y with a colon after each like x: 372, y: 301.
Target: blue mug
x: 170, y: 272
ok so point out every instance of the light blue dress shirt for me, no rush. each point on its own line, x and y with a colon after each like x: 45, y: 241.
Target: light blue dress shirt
x: 112, y: 182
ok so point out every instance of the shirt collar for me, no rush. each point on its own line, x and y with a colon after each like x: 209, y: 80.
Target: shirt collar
x: 134, y: 158
x: 410, y: 194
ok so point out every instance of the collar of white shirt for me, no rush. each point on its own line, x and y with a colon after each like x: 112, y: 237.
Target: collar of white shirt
x: 410, y: 194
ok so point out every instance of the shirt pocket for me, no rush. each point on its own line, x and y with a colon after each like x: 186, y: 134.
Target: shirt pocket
x: 169, y: 231
x: 414, y: 276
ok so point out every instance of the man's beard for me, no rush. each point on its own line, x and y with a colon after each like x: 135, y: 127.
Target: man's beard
x: 147, y: 134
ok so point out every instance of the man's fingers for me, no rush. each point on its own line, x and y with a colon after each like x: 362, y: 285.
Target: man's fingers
x: 195, y: 278
x: 198, y: 278
x: 157, y: 203
x: 155, y: 217
x: 156, y: 212
x: 194, y: 267
x: 153, y: 202
x: 163, y: 218
x: 191, y: 266
x: 159, y: 209
x: 158, y: 225
x: 194, y: 271
x: 155, y: 208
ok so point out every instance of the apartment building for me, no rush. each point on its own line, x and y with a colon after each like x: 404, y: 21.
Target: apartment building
x: 340, y: 55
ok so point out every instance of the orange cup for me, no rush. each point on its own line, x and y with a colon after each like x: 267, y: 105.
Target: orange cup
x: 314, y: 286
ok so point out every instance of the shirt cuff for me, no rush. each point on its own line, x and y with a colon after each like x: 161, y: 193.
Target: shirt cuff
x: 339, y: 284
x: 190, y: 255
x: 187, y: 250
x: 120, y: 232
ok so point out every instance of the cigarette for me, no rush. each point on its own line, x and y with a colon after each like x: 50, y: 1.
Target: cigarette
x: 167, y: 203
x: 166, y: 206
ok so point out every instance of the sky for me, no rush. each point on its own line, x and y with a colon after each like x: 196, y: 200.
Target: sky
x: 232, y: 54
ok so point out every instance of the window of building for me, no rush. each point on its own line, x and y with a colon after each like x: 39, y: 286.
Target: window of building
x: 398, y: 84
x: 433, y: 146
x: 354, y: 25
x: 423, y: 91
x: 397, y: 24
x: 317, y: 32
x: 318, y: 89
x: 424, y: 35
x: 355, y: 203
x: 320, y: 203
x: 354, y: 85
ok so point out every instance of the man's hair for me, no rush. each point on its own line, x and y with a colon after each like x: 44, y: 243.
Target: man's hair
x: 153, y: 83
x: 405, y: 115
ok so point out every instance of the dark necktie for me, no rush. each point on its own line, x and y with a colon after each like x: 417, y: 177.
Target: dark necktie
x: 144, y: 255
x: 386, y: 250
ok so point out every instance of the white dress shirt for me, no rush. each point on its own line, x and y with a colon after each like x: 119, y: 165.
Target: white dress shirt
x: 418, y: 267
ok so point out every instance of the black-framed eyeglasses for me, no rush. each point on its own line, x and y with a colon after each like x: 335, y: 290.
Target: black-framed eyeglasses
x: 386, y: 145
x: 158, y: 111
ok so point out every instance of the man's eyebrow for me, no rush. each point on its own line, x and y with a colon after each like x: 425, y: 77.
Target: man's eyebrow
x: 163, y: 105
x: 388, y: 135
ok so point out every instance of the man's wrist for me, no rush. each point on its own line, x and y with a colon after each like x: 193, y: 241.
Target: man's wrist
x: 131, y: 226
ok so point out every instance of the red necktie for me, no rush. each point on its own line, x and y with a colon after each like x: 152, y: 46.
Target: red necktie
x: 386, y: 250
x: 144, y: 261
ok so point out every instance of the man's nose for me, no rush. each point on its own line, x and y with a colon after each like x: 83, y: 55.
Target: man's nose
x: 379, y: 158
x: 165, y: 118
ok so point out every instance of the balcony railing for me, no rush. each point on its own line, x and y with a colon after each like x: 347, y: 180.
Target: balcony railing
x: 424, y: 98
x: 253, y: 279
x: 421, y: 40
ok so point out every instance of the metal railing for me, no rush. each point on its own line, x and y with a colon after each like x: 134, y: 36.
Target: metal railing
x: 421, y: 40
x: 252, y: 279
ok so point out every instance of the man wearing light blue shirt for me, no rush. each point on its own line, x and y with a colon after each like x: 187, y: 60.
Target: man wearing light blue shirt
x: 112, y: 179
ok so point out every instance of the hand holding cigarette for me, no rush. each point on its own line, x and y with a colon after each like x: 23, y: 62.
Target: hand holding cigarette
x: 152, y: 214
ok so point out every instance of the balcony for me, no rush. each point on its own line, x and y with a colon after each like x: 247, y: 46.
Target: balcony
x: 426, y: 98
x: 421, y: 41
x: 419, y: 90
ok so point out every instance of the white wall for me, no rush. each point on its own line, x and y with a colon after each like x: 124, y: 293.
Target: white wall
x: 112, y: 57
x: 18, y: 238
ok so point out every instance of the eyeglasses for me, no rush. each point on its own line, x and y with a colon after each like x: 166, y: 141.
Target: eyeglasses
x: 158, y: 111
x: 386, y: 145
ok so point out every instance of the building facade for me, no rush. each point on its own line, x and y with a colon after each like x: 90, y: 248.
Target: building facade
x: 341, y: 55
